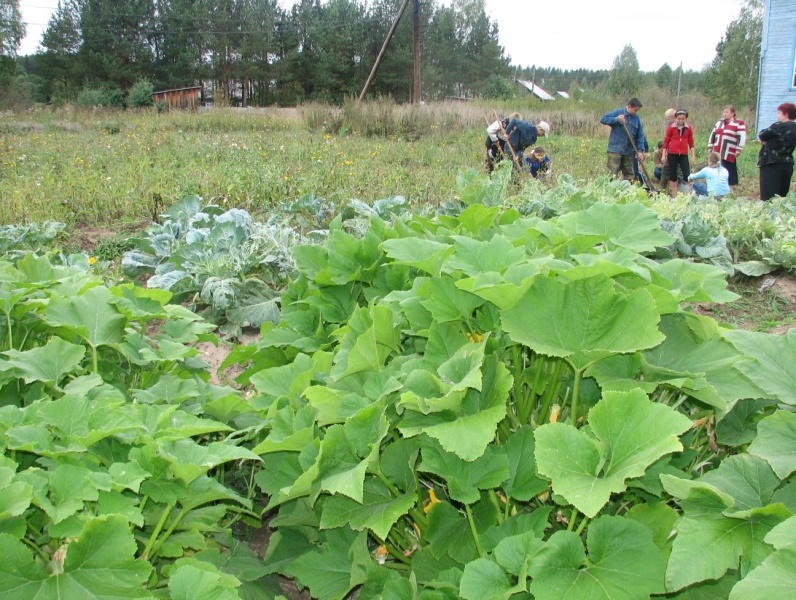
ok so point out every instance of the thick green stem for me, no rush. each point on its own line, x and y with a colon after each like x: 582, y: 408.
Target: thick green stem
x: 156, y: 532
x: 169, y: 531
x: 393, y: 490
x: 474, y: 531
x: 532, y: 393
x: 582, y: 525
x: 575, y: 398
x: 392, y: 551
x: 517, y: 363
x: 552, y: 390
x: 10, y: 334
x: 38, y: 550
x: 572, y: 519
x: 416, y: 514
x: 496, y: 502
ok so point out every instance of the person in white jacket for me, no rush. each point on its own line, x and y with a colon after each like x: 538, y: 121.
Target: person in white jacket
x: 494, y: 140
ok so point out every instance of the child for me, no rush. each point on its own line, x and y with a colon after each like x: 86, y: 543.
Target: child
x: 539, y: 163
x: 658, y: 160
x: 716, y: 178
x: 677, y: 145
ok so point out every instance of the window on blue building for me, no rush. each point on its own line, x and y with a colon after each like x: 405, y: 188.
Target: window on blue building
x: 793, y: 61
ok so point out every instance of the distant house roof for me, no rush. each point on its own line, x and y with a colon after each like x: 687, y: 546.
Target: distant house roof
x: 535, y: 89
x: 564, y: 95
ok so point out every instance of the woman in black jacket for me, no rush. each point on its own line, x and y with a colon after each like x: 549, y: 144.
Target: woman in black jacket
x: 776, y: 154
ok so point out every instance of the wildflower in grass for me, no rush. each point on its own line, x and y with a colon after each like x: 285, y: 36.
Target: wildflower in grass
x: 92, y: 260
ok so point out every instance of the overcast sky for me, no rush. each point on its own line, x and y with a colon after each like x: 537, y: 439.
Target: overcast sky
x: 568, y: 34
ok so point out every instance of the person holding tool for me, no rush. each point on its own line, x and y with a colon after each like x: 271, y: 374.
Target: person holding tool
x: 521, y: 135
x: 494, y: 138
x: 627, y: 138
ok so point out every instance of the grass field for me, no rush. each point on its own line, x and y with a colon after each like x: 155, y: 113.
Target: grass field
x: 113, y: 169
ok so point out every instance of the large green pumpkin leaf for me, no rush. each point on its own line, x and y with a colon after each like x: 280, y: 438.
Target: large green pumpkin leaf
x: 685, y: 352
x: 623, y: 564
x: 748, y: 479
x: 464, y: 478
x: 474, y: 256
x: 425, y: 255
x: 373, y: 346
x: 336, y: 567
x: 138, y: 302
x: 449, y: 532
x: 189, y: 459
x: 691, y: 281
x: 775, y: 578
x: 631, y: 226
x: 629, y: 434
x: 15, y: 499
x: 483, y: 579
x: 774, y: 357
x: 523, y: 483
x: 513, y: 553
x: 446, y: 302
x: 583, y: 321
x: 709, y: 542
x: 379, y: 509
x: 340, y: 469
x: 502, y: 290
x: 467, y: 431
x: 198, y: 580
x: 92, y: 316
x: 48, y: 363
x: 100, y: 565
x: 62, y: 491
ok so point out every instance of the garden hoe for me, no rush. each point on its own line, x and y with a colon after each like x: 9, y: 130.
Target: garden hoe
x: 508, y: 143
x: 644, y: 175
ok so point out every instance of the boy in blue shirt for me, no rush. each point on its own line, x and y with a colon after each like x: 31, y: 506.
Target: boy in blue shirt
x: 539, y: 163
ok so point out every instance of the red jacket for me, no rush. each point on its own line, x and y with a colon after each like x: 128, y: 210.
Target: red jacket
x: 678, y: 141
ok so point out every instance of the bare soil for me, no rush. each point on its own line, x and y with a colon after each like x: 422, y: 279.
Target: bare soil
x: 766, y: 303
x: 216, y: 355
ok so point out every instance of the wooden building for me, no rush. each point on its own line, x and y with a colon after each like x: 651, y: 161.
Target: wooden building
x: 187, y: 98
x: 777, y: 83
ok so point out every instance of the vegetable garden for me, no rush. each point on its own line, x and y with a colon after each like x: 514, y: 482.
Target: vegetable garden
x: 502, y: 396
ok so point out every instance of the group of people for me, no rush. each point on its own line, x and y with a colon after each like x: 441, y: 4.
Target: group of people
x: 510, y: 137
x: 627, y: 150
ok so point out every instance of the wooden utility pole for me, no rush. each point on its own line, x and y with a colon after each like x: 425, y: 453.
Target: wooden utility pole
x: 416, y: 27
x: 383, y: 49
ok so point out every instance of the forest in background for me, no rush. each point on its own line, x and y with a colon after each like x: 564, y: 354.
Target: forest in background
x: 256, y: 53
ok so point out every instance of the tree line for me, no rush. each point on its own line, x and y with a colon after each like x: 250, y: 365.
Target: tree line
x: 256, y: 53
x: 253, y: 52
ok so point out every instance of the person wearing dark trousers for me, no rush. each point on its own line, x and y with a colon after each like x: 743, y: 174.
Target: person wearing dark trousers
x: 776, y: 153
x: 677, y: 146
x: 626, y: 131
x: 494, y: 139
x: 728, y: 138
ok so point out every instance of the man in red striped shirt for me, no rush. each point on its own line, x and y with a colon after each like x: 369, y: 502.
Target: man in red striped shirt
x: 728, y: 139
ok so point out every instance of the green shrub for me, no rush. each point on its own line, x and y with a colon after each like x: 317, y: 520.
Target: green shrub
x: 140, y: 94
x: 104, y: 98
